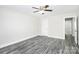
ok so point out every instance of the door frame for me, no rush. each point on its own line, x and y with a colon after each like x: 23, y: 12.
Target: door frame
x: 76, y: 34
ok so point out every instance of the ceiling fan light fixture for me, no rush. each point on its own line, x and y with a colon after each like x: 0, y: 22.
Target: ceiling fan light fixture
x: 42, y: 9
x: 41, y: 12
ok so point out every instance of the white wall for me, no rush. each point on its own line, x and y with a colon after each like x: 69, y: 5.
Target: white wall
x: 15, y: 26
x: 44, y: 27
x: 68, y: 27
x: 56, y: 25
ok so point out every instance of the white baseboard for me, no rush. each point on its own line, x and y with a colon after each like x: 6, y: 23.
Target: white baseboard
x: 53, y: 36
x: 17, y: 41
x: 56, y: 37
x: 25, y: 39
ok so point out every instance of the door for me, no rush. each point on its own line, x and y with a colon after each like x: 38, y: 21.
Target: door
x: 71, y: 29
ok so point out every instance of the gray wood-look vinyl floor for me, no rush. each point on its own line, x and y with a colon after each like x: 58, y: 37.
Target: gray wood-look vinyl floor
x: 40, y: 45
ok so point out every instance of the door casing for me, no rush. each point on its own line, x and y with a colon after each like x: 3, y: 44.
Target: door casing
x: 75, y: 28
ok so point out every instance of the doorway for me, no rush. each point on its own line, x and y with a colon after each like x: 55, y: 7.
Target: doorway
x: 71, y: 30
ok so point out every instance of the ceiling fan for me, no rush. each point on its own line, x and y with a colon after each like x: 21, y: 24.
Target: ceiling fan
x: 42, y: 9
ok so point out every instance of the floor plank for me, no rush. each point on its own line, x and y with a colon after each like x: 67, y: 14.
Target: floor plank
x: 40, y: 45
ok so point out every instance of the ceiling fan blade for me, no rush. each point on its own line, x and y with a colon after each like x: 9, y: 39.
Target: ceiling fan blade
x: 35, y: 11
x: 35, y: 8
x: 48, y: 10
x: 46, y: 6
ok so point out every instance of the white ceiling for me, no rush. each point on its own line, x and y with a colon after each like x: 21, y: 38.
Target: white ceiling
x: 58, y: 9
